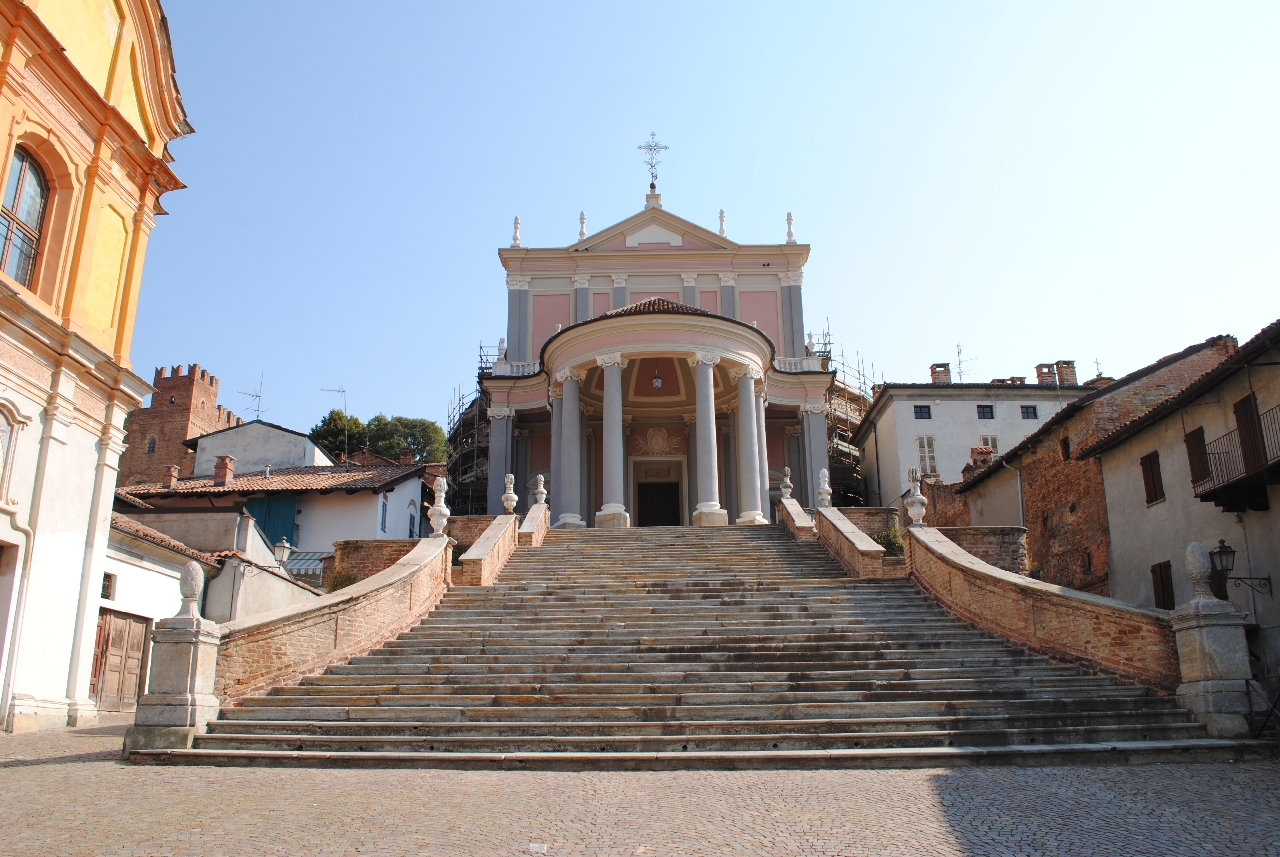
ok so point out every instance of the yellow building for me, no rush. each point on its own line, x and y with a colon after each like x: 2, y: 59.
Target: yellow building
x: 88, y: 104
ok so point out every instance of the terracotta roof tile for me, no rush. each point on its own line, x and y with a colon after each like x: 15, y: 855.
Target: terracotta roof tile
x: 351, y: 478
x: 123, y: 496
x: 660, y: 305
x: 127, y: 525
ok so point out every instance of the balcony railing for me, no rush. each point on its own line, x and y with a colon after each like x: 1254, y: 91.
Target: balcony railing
x: 507, y: 369
x: 797, y: 364
x: 1237, y: 454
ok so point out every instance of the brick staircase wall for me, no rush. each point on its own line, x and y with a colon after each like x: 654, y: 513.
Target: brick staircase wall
x: 1003, y: 547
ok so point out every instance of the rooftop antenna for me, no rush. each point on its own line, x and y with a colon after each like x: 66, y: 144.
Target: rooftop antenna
x: 256, y: 399
x: 960, y: 363
x: 652, y: 148
x: 346, y: 440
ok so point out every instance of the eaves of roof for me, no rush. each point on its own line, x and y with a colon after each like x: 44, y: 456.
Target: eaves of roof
x: 291, y: 480
x: 123, y: 524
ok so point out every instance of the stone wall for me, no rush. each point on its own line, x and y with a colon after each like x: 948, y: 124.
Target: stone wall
x: 946, y: 508
x: 871, y: 519
x: 1135, y: 643
x: 483, y: 561
x: 279, y: 648
x: 1003, y: 547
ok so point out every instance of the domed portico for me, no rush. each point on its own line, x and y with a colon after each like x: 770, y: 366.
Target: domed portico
x: 657, y: 411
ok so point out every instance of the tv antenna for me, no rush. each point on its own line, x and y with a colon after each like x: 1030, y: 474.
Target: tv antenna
x: 256, y: 399
x: 346, y: 439
x: 960, y: 364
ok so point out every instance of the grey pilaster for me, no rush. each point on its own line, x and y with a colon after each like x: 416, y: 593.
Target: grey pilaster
x: 619, y: 291
x: 500, y: 426
x: 581, y: 298
x: 557, y: 438
x: 814, y: 424
x: 690, y: 288
x: 518, y: 345
x: 763, y: 446
x: 729, y: 295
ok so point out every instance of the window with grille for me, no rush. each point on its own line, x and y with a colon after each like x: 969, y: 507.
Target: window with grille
x: 1151, y: 480
x: 928, y: 461
x: 108, y: 587
x: 923, y: 412
x: 413, y: 522
x: 1065, y: 446
x: 1029, y: 412
x: 1162, y: 585
x: 986, y: 412
x: 151, y: 445
x: 24, y: 202
x: 989, y: 440
x: 384, y: 513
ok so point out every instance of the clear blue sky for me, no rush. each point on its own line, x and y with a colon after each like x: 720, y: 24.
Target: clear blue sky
x: 1036, y: 181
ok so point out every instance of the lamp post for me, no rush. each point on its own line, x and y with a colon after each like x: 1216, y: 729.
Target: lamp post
x: 1223, y: 560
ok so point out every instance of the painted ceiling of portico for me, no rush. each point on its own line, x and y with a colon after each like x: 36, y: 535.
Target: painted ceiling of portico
x: 640, y: 399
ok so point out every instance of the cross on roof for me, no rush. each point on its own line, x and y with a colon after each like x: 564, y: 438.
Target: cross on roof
x: 652, y: 148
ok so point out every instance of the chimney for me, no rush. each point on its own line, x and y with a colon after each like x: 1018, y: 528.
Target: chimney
x: 940, y: 373
x: 406, y: 455
x: 981, y: 456
x: 1046, y: 374
x: 1066, y: 372
x: 170, y: 480
x: 224, y: 470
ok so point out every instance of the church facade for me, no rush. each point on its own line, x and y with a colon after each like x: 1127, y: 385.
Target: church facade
x: 656, y: 373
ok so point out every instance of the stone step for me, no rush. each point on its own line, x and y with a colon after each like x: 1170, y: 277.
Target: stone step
x: 1001, y: 665
x: 368, y: 675
x: 738, y: 659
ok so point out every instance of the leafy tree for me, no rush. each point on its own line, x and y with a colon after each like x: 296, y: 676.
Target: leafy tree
x: 382, y: 435
x: 329, y: 433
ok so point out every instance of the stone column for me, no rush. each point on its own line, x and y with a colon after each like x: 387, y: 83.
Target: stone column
x: 570, y: 450
x: 708, y: 513
x: 763, y: 445
x: 813, y: 422
x: 1212, y: 654
x: 748, y: 451
x: 613, y: 511
x: 501, y: 421
x: 179, y: 701
x: 557, y: 437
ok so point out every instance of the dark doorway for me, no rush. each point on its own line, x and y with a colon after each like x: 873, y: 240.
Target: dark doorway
x: 659, y: 504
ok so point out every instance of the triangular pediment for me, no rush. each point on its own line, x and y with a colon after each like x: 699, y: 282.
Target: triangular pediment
x: 654, y: 229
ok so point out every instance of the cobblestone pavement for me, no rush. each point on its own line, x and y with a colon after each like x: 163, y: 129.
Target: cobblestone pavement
x: 65, y: 792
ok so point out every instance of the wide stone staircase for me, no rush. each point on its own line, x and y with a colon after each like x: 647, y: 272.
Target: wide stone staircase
x: 696, y: 648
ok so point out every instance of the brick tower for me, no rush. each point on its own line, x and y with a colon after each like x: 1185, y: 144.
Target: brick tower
x: 183, y: 406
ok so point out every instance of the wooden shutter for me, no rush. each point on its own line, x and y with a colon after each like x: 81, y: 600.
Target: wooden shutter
x: 1250, y: 428
x: 1197, y: 456
x: 1151, y: 479
x: 1162, y: 585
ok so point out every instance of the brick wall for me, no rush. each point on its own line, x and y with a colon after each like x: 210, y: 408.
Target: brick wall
x: 259, y: 653
x: 1136, y: 643
x: 465, y: 529
x: 945, y: 508
x: 355, y: 560
x: 184, y: 406
x: 871, y: 519
x: 1063, y: 502
x: 850, y: 546
x: 1003, y: 547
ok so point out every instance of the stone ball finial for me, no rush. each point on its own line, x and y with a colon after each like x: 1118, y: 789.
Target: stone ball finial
x: 1200, y: 570
x: 509, y: 498
x: 190, y: 585
x: 540, y: 491
x: 786, y: 485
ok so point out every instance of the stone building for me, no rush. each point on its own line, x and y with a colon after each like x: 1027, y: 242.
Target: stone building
x: 1042, y: 483
x: 656, y: 373
x: 89, y: 104
x: 184, y: 406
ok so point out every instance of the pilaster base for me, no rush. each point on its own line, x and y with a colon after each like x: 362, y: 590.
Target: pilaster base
x: 711, y: 518
x: 158, y: 738
x: 1220, y: 705
x: 569, y: 522
x: 752, y: 519
x: 612, y: 520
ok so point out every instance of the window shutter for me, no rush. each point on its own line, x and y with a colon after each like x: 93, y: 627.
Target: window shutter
x: 1162, y: 585
x: 1197, y: 456
x: 1151, y: 480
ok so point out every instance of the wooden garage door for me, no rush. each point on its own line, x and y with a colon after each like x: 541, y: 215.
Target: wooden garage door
x: 117, y: 660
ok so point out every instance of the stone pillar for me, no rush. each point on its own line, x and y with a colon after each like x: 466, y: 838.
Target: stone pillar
x: 613, y: 511
x: 813, y: 423
x: 518, y: 345
x: 581, y: 298
x: 570, y: 490
x: 501, y: 421
x: 557, y: 437
x: 690, y: 288
x: 729, y: 295
x: 762, y: 445
x: 184, y: 657
x: 792, y: 314
x: 795, y: 460
x: 708, y: 513
x: 1212, y: 654
x: 748, y: 451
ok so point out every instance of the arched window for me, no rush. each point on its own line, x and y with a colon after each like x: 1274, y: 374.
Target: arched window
x: 22, y: 216
x: 151, y: 445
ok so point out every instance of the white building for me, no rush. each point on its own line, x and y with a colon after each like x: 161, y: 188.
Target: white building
x: 256, y: 445
x: 1203, y: 467
x: 934, y: 426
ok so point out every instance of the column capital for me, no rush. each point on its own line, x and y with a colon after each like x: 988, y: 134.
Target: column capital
x: 793, y: 431
x: 555, y: 393
x: 689, y: 280
x: 619, y: 280
x: 614, y: 359
x: 581, y: 281
x: 568, y: 372
x: 501, y: 414
x: 728, y: 278
x: 626, y: 420
x: 745, y: 369
x: 517, y: 282
x: 690, y: 419
x: 818, y: 408
x: 704, y: 357
x: 586, y: 409
x: 791, y: 278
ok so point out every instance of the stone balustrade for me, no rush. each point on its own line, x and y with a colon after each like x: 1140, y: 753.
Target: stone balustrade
x: 796, y: 521
x: 484, y: 560
x: 534, y: 527
x: 857, y: 552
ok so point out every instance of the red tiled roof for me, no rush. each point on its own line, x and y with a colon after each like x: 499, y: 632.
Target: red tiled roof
x: 127, y: 525
x: 661, y: 305
x: 292, y: 480
x: 132, y: 501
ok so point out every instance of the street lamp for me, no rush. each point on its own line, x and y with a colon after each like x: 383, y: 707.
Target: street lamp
x: 1223, y: 557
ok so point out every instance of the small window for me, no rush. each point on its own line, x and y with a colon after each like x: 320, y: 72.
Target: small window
x: 989, y: 440
x: 109, y: 587
x: 1029, y: 412
x: 384, y: 513
x: 1162, y: 585
x: 23, y: 214
x: 1065, y: 446
x: 1151, y: 480
x: 173, y: 400
x: 151, y: 445
x: 986, y: 412
x: 928, y: 461
x: 923, y: 412
x: 413, y: 521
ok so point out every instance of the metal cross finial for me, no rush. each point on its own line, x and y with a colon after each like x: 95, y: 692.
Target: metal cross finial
x: 652, y: 148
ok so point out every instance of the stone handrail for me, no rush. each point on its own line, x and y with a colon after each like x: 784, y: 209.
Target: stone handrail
x: 488, y: 554
x: 796, y: 520
x: 282, y: 646
x: 534, y: 527
x: 857, y: 552
x: 1136, y: 643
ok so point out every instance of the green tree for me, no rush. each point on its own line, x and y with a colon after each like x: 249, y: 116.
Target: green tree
x: 338, y: 432
x: 425, y: 437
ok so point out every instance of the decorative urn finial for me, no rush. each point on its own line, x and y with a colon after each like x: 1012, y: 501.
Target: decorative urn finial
x: 540, y: 492
x: 582, y: 226
x: 439, y: 513
x: 786, y: 485
x: 722, y: 223
x: 515, y: 238
x: 824, y: 488
x: 1200, y: 570
x: 791, y: 236
x: 190, y: 585
x: 509, y: 498
x: 915, y: 502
